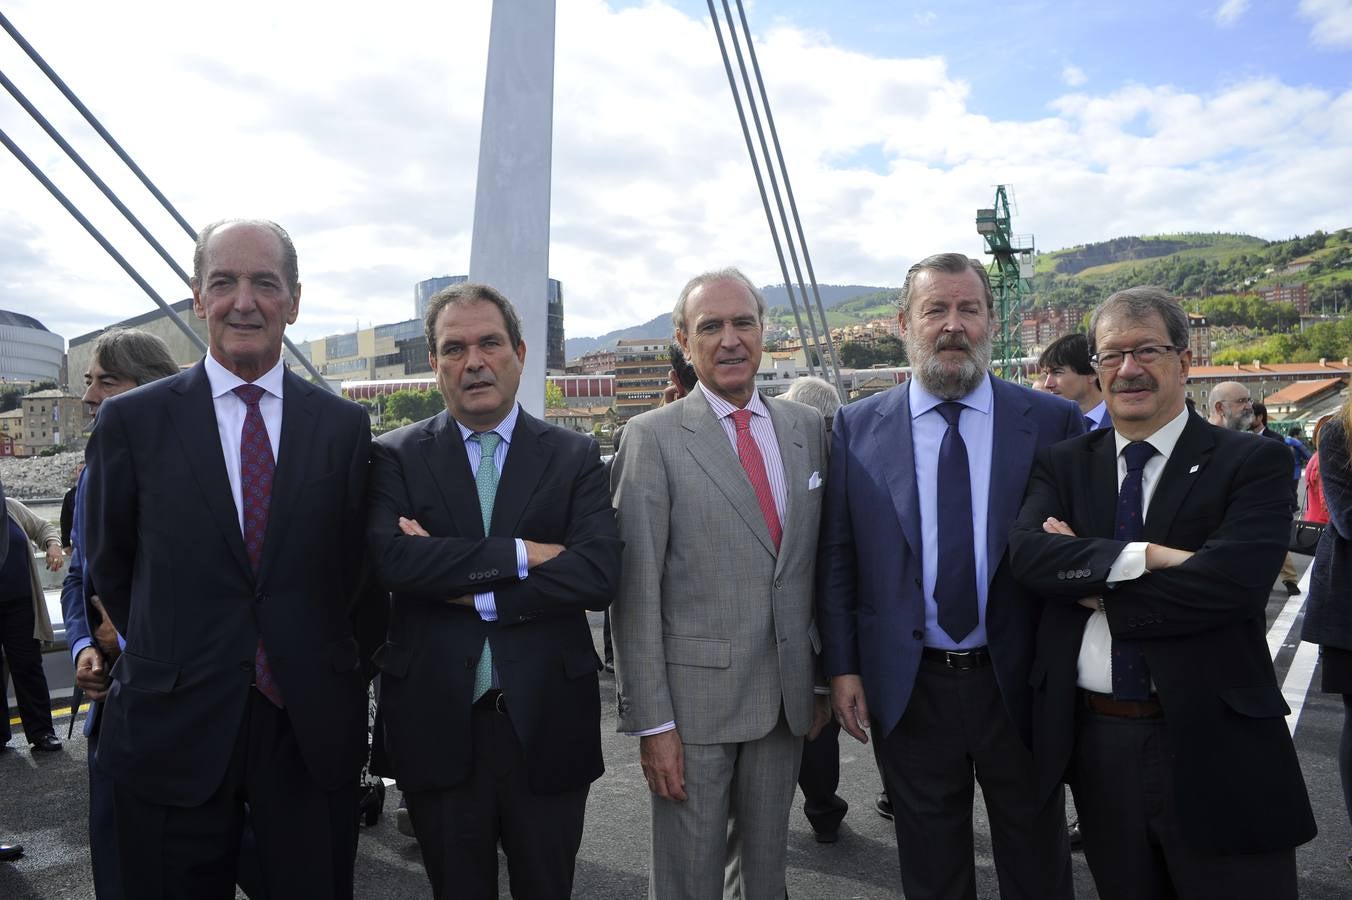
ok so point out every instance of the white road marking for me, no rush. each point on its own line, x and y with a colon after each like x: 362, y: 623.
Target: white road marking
x: 1296, y: 685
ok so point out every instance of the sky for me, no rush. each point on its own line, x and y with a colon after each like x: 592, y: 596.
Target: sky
x: 356, y: 126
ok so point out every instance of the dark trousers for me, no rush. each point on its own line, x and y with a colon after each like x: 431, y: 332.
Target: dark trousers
x: 955, y: 732
x: 1123, y: 776
x: 306, y: 837
x: 23, y: 654
x: 103, y: 856
x: 458, y: 830
x: 819, y: 776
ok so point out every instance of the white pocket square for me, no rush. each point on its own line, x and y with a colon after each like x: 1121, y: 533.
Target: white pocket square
x: 814, y: 481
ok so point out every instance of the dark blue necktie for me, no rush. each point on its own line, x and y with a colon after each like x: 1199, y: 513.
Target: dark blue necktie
x: 955, y: 584
x: 1131, y: 678
x: 1089, y: 424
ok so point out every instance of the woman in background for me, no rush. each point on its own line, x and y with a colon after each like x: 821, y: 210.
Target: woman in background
x: 1328, y: 613
x: 1315, y: 510
x: 24, y: 621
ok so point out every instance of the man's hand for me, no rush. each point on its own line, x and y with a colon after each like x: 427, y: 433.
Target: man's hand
x: 91, y: 675
x: 540, y: 553
x: 663, y: 759
x: 55, y: 558
x: 847, y: 699
x: 1056, y: 526
x: 462, y: 600
x: 412, y: 528
x: 821, y: 714
x: 1157, y: 557
x: 105, y: 635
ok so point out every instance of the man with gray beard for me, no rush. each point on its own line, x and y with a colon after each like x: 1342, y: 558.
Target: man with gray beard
x: 925, y: 636
x: 1231, y: 406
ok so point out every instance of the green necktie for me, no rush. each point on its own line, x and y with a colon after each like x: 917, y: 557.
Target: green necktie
x: 486, y: 479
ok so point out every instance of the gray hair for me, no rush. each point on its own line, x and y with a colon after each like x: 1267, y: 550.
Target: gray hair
x: 133, y: 354
x: 1137, y: 305
x: 816, y: 393
x: 731, y: 273
x: 290, y: 266
x: 470, y: 292
x: 952, y: 264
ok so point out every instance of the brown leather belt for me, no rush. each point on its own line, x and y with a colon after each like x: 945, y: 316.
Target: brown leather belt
x: 1105, y: 705
x: 958, y: 659
x: 492, y: 701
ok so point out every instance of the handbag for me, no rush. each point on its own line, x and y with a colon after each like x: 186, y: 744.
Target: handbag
x: 1305, y: 536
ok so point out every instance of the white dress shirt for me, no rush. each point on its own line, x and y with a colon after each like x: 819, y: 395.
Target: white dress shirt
x: 1095, y: 668
x: 230, y: 412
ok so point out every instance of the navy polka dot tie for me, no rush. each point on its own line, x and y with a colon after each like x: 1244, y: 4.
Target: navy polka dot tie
x: 955, y: 585
x: 256, y: 467
x: 1131, y: 678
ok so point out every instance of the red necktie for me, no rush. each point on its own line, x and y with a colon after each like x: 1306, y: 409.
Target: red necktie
x: 256, y: 466
x: 754, y: 463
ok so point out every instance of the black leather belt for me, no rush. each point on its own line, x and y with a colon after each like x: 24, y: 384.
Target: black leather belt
x: 493, y: 701
x: 958, y: 659
x: 1106, y: 705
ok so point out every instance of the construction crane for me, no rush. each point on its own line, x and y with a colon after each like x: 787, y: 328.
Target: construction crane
x: 1007, y: 250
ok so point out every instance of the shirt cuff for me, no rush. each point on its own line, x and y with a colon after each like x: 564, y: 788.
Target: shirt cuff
x: 821, y: 690
x: 660, y: 729
x: 1130, y: 563
x: 487, y: 606
x: 79, y: 645
x: 521, y: 570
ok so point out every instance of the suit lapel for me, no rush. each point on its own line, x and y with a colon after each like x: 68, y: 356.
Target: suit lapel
x: 443, y: 451
x: 193, y: 414
x: 1099, y: 480
x: 895, y: 455
x: 793, y: 454
x: 527, y: 456
x: 297, y: 442
x: 1185, y: 465
x: 1014, y: 435
x: 708, y: 443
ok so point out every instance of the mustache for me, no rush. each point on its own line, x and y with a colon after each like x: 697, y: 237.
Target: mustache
x: 1142, y: 382
x: 952, y: 342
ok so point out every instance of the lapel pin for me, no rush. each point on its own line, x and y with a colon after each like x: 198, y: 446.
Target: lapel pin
x: 1194, y: 468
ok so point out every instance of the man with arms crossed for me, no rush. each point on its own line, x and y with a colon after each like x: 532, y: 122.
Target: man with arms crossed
x: 223, y: 529
x: 1155, y: 545
x: 495, y: 534
x: 925, y: 635
x: 718, y: 497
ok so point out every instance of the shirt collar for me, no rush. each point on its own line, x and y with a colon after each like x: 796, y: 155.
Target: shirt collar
x: 1164, y: 439
x: 504, y: 428
x: 223, y: 381
x: 922, y: 401
x: 1098, y: 412
x: 722, y: 408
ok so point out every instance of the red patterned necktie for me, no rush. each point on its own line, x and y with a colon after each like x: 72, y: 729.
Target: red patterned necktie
x: 256, y: 466
x: 754, y: 463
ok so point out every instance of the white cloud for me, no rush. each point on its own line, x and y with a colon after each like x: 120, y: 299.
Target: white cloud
x: 1331, y: 22
x: 1229, y: 12
x: 361, y: 136
x: 1073, y: 75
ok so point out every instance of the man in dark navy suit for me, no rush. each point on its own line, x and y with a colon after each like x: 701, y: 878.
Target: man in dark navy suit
x: 495, y: 533
x: 224, y: 535
x: 925, y: 635
x: 1066, y: 372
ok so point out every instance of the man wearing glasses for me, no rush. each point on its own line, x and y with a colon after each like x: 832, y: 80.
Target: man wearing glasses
x: 1155, y: 545
x: 1231, y: 406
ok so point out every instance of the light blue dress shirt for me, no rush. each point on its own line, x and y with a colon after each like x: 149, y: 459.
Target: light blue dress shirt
x: 977, y: 426
x: 486, y: 603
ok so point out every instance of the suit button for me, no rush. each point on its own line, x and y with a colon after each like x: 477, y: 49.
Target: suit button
x: 494, y: 573
x: 473, y: 576
x: 1061, y: 576
x: 261, y: 598
x: 779, y: 584
x: 918, y: 635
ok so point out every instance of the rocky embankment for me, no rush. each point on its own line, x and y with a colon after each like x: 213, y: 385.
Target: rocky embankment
x: 39, y: 476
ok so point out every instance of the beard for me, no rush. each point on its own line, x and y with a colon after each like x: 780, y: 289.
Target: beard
x: 1240, y: 421
x: 946, y: 380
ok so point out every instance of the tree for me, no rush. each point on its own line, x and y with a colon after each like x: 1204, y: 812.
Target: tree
x: 9, y: 398
x: 414, y: 406
x: 554, y: 398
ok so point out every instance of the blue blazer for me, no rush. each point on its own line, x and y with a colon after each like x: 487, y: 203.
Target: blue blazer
x: 73, y: 586
x: 870, y: 597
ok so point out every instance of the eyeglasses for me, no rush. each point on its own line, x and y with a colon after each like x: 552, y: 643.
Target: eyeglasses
x: 1113, y: 359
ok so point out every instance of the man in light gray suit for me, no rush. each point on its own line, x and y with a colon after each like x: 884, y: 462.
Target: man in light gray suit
x: 718, y: 498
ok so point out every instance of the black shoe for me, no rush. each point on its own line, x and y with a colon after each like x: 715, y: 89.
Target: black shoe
x: 884, y: 806
x: 609, y: 665
x: 47, y: 743
x: 10, y: 852
x: 1291, y: 588
x: 402, y: 820
x: 827, y: 837
x: 1076, y: 839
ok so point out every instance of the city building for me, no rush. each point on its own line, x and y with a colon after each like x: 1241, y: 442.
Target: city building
x: 1263, y: 379
x: 384, y: 351
x: 641, y: 369
x: 1296, y: 293
x: 29, y: 353
x: 52, y: 418
x: 1199, y: 339
x: 600, y: 361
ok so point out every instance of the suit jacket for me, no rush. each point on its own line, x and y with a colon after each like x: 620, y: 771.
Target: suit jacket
x: 1328, y: 611
x: 552, y: 490
x: 870, y: 596
x: 166, y: 556
x: 713, y: 629
x: 1201, y: 625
